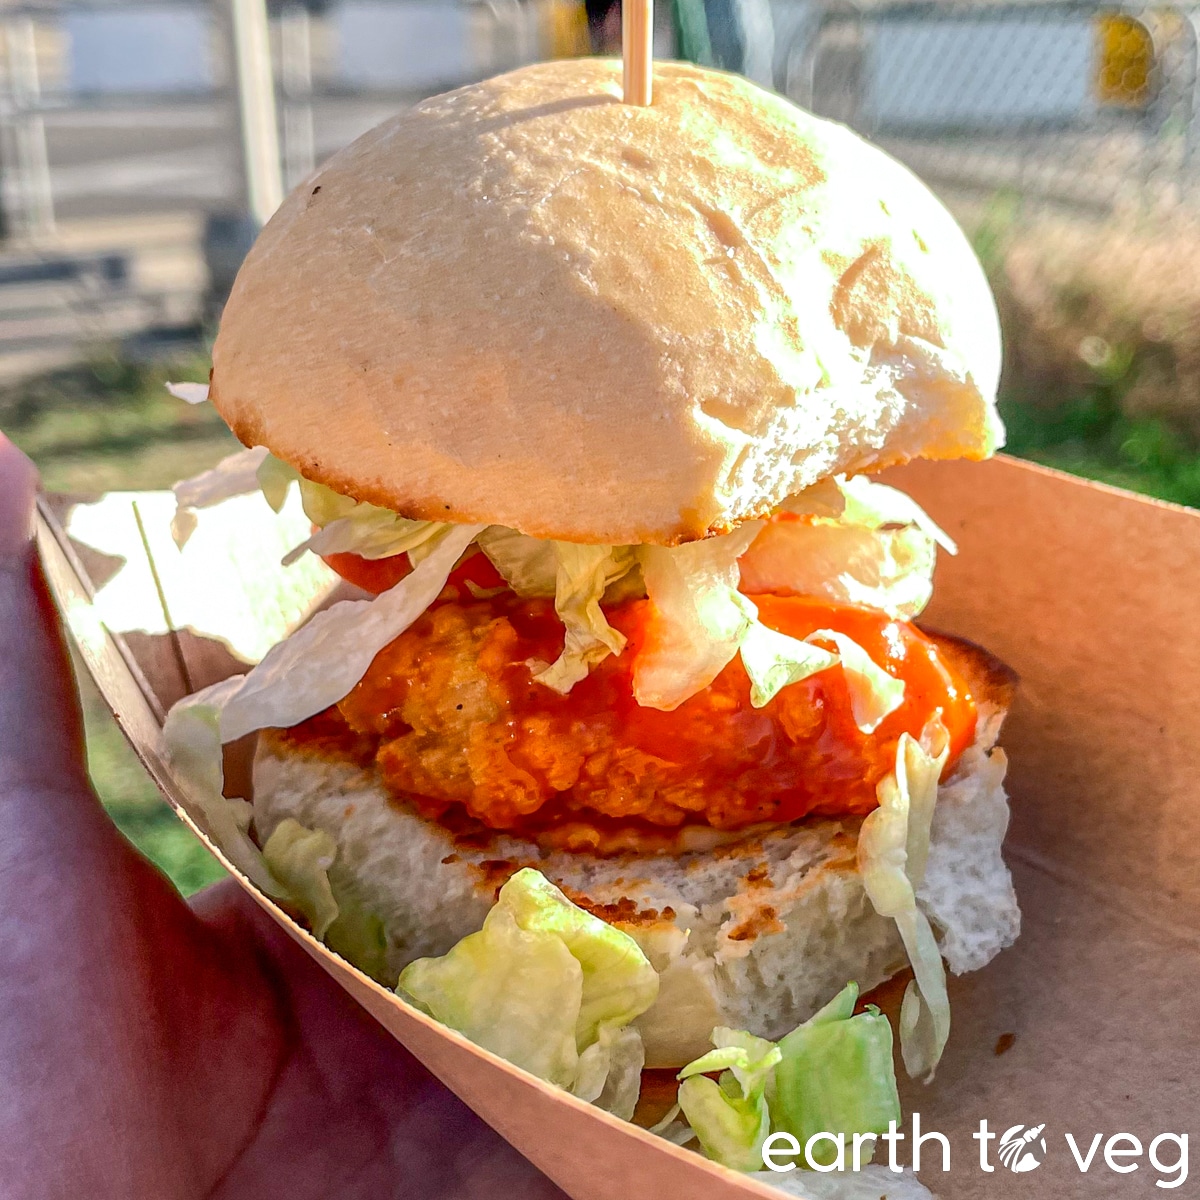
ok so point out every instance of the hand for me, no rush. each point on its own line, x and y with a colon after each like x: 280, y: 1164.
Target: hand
x: 158, y: 1050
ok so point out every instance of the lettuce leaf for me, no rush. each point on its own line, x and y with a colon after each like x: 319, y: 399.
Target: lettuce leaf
x: 547, y: 986
x: 368, y: 532
x: 193, y: 736
x: 234, y: 475
x: 698, y: 618
x: 609, y: 1074
x: 875, y: 505
x: 513, y: 991
x: 918, y: 772
x: 877, y: 551
x: 730, y: 1116
x: 299, y: 677
x: 699, y: 621
x: 670, y: 1127
x: 835, y: 1075
x: 275, y: 477
x: 347, y: 526
x: 893, y: 847
x: 774, y: 660
x: 886, y: 569
x: 344, y: 526
x: 359, y: 936
x: 582, y: 576
x: 320, y: 663
x: 189, y: 393
x: 874, y: 694
x: 618, y: 981
x: 824, y: 499
x: 323, y: 505
x: 528, y: 565
x: 300, y: 859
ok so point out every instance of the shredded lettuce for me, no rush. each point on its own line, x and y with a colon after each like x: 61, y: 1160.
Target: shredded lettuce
x: 547, y: 986
x: 836, y: 1076
x: 619, y: 982
x: 193, y: 736
x: 234, y: 475
x: 730, y: 1116
x: 577, y: 576
x: 513, y: 991
x: 672, y: 1128
x: 346, y: 526
x: 833, y: 1074
x: 359, y: 936
x: 370, y: 533
x: 824, y: 499
x: 698, y: 618
x: 699, y: 621
x: 300, y: 859
x: 887, y: 569
x: 320, y: 663
x: 299, y: 677
x: 874, y: 694
x: 609, y: 1074
x: 582, y: 577
x: 878, y: 550
x: 774, y: 660
x: 528, y: 565
x: 893, y: 847
x: 875, y: 505
x: 323, y: 505
x: 275, y: 477
x: 189, y: 393
x: 863, y: 543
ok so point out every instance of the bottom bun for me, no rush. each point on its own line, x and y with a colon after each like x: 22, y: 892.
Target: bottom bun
x: 756, y: 933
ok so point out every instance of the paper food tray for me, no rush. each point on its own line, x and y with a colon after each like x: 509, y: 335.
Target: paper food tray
x: 1092, y: 595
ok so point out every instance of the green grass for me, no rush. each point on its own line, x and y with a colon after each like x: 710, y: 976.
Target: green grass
x: 111, y: 424
x: 1088, y: 435
x: 133, y: 802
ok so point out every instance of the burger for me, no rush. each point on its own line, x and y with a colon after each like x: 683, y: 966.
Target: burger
x: 586, y: 400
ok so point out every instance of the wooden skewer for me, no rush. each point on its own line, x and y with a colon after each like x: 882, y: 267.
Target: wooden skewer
x: 637, y: 50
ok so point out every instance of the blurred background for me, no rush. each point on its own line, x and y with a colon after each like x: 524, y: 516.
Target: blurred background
x: 143, y: 143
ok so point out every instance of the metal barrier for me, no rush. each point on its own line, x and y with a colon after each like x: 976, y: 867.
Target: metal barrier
x: 219, y: 55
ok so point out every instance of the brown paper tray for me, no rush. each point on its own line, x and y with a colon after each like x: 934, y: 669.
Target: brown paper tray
x: 1092, y: 595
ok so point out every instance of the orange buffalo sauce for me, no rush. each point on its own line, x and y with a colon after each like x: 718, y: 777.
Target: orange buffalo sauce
x: 379, y: 575
x: 455, y: 722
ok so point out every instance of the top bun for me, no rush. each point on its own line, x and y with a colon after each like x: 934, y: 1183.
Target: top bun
x: 529, y: 304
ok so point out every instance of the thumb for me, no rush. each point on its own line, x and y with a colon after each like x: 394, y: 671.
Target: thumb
x: 41, y: 733
x: 18, y: 486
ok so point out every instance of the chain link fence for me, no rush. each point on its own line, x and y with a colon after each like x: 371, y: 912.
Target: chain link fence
x: 1065, y: 138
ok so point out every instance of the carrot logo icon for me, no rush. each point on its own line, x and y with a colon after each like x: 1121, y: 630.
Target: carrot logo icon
x: 1018, y: 1148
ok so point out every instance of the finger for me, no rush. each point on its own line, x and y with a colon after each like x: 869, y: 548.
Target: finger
x: 41, y: 738
x: 376, y: 1123
x: 18, y: 487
